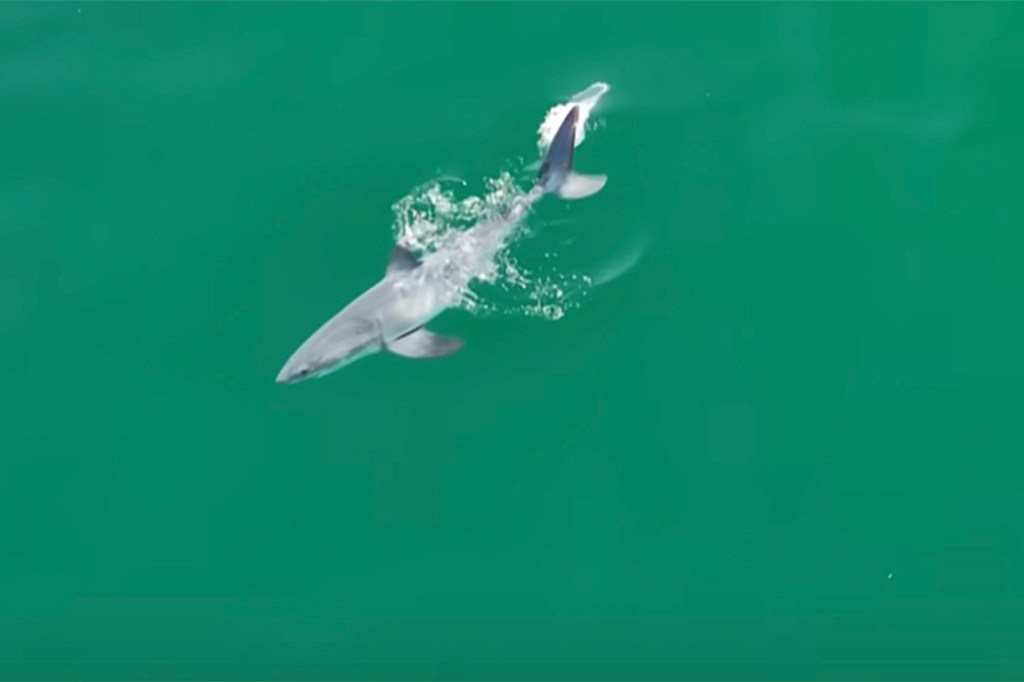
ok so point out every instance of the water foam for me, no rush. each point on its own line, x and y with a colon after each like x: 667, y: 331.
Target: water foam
x: 585, y: 101
x: 434, y: 216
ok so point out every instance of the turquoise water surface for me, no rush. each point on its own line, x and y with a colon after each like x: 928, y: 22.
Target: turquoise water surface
x: 751, y: 412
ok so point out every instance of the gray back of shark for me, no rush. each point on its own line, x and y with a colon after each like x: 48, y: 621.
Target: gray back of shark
x: 391, y: 314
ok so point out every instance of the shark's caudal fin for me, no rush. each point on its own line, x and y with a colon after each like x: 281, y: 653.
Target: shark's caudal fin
x: 556, y: 174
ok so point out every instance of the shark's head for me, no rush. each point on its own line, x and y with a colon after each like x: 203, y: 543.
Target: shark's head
x: 337, y: 344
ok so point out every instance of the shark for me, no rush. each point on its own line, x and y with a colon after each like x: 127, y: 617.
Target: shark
x: 391, y: 316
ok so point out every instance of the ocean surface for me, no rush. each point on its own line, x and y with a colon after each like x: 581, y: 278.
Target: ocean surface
x: 754, y: 411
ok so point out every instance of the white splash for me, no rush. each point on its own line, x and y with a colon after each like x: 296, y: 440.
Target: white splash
x: 436, y: 214
x: 433, y: 209
x: 586, y: 101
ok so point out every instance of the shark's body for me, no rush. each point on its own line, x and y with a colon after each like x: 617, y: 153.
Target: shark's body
x: 391, y: 315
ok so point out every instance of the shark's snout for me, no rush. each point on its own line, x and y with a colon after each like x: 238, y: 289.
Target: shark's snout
x: 284, y: 376
x: 293, y: 372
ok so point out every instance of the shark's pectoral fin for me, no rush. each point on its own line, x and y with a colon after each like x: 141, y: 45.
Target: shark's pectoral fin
x: 401, y: 260
x: 424, y: 344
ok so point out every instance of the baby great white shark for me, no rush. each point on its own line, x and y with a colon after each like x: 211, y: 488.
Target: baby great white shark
x: 391, y: 314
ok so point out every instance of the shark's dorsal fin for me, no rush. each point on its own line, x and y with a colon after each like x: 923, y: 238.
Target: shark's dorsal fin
x: 401, y: 260
x: 424, y: 344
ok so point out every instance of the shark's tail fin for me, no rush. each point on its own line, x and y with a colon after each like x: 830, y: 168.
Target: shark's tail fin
x: 556, y: 174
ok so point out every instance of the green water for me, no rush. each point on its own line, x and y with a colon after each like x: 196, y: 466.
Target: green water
x: 785, y: 444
